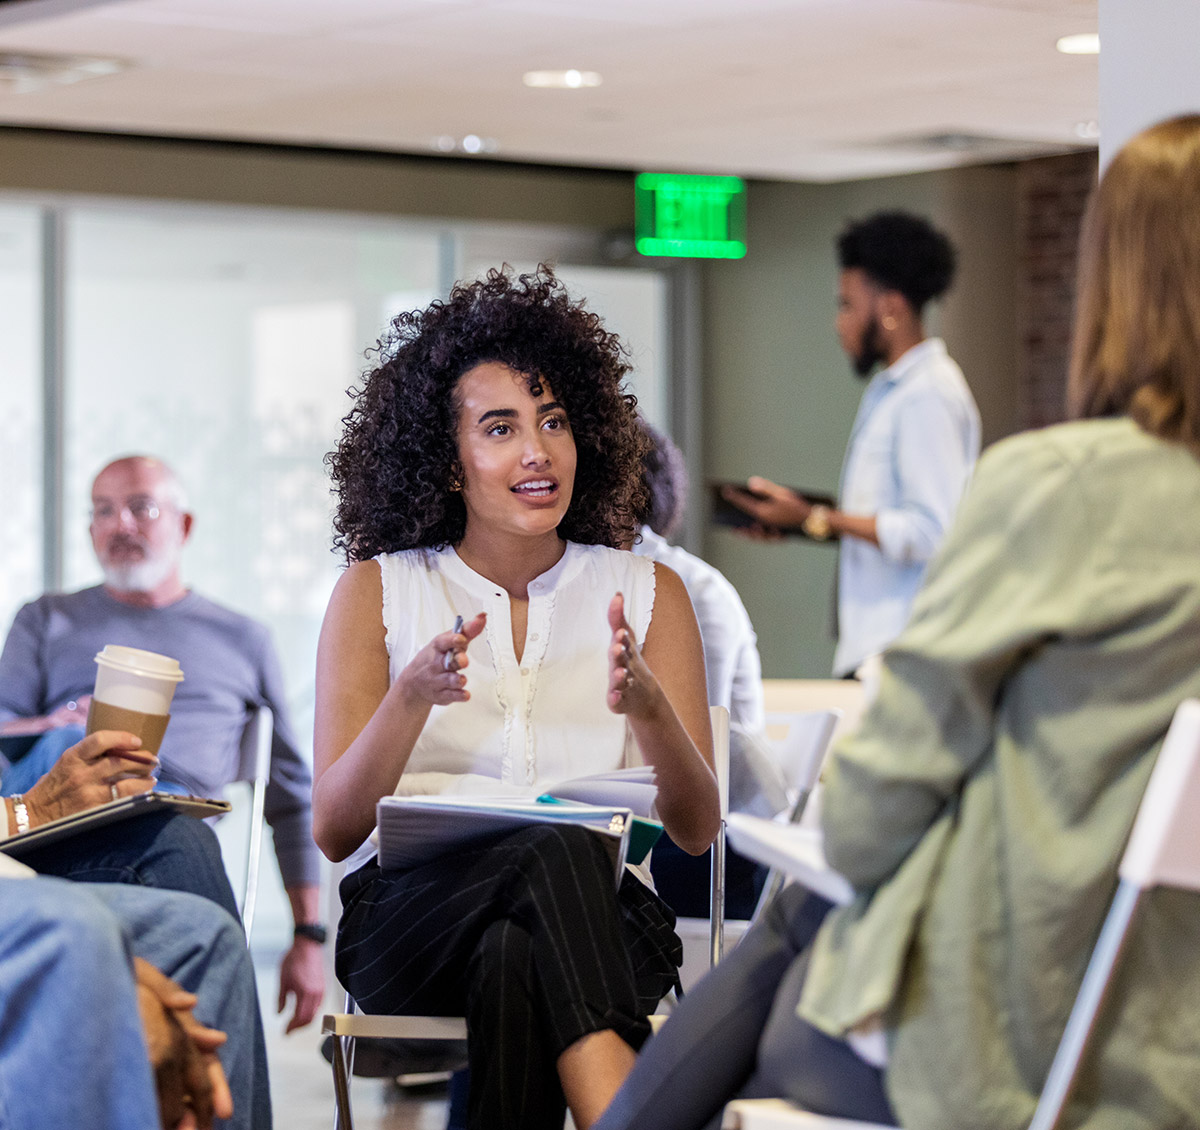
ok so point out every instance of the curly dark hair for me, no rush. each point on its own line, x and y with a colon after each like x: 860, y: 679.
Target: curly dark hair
x: 900, y: 251
x: 398, y: 455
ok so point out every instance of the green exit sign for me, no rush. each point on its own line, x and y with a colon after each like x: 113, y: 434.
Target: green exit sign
x: 693, y: 217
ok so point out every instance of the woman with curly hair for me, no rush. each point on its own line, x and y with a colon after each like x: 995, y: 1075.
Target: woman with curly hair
x: 488, y: 470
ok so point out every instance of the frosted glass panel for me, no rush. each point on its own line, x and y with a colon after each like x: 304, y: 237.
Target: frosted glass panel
x: 225, y: 343
x: 20, y: 409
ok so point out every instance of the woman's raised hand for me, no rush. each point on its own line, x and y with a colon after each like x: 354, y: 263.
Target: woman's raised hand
x: 435, y: 672
x: 632, y: 687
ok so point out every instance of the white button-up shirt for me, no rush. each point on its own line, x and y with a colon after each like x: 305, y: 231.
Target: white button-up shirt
x: 913, y: 446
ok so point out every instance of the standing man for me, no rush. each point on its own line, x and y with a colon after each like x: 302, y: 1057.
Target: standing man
x: 914, y: 441
x: 140, y: 524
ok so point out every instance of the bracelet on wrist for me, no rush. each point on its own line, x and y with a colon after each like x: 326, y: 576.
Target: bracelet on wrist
x: 20, y: 814
x: 817, y: 525
x: 313, y: 931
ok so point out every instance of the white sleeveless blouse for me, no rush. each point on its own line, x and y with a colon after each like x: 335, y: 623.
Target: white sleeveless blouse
x: 531, y: 723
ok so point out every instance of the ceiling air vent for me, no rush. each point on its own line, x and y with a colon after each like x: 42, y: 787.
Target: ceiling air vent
x: 972, y: 147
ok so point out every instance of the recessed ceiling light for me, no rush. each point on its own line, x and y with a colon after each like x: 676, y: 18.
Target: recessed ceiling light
x: 472, y: 143
x: 562, y: 80
x: 1086, y: 43
x: 22, y: 72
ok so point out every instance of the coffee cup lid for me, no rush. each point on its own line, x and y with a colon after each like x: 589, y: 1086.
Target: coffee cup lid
x: 139, y: 662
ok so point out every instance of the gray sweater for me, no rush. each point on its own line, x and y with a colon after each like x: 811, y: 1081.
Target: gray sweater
x: 229, y: 666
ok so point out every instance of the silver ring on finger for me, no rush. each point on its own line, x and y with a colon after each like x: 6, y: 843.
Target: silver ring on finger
x: 448, y: 662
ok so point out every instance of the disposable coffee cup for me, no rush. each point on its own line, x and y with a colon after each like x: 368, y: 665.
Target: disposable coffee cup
x: 133, y: 692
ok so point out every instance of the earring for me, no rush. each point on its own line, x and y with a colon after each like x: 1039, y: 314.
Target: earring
x: 889, y: 323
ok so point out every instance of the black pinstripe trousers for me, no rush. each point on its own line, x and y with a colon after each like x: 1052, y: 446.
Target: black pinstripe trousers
x: 529, y: 939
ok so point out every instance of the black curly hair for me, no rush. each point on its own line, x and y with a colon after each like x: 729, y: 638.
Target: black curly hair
x: 397, y: 457
x: 899, y: 251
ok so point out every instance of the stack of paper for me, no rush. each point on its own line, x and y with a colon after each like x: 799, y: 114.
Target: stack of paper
x: 633, y: 788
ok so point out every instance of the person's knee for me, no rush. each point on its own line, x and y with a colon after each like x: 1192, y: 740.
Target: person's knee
x: 558, y: 848
x: 55, y: 927
x: 185, y: 834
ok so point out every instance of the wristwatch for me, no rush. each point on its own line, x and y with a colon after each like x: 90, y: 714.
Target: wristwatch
x: 817, y: 525
x: 313, y: 931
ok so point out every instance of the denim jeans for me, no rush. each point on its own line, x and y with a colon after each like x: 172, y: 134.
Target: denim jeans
x: 71, y: 1046
x: 22, y: 775
x: 164, y: 850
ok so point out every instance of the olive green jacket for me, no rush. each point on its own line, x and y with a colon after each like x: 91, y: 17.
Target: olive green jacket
x: 983, y: 806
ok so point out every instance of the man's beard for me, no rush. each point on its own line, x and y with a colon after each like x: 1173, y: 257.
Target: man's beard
x: 870, y: 352
x: 138, y: 576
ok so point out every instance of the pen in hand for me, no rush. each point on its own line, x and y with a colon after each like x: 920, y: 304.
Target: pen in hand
x: 448, y: 658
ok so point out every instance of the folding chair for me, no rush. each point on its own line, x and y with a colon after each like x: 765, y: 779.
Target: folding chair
x: 802, y: 749
x: 1163, y: 850
x: 254, y: 768
x: 346, y: 1027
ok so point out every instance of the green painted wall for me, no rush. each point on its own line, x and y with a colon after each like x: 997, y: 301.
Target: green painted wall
x: 779, y: 395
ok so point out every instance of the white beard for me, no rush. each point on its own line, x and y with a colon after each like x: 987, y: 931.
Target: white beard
x: 138, y: 576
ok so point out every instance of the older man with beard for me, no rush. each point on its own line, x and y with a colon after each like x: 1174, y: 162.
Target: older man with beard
x: 140, y: 524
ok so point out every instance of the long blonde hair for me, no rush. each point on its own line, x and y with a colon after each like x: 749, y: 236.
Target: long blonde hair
x: 1136, y: 346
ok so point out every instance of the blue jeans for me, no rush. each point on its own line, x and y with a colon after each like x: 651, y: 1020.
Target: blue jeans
x: 72, y: 1051
x: 24, y: 774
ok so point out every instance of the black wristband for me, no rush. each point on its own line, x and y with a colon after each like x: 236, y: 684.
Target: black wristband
x: 313, y: 931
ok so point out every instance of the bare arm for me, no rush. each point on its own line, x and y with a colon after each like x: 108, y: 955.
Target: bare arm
x: 365, y: 727
x: 661, y: 688
x: 302, y: 971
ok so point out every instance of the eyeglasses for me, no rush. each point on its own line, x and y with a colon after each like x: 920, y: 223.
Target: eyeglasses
x: 141, y: 510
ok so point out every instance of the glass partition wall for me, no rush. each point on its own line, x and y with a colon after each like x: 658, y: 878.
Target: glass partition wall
x: 21, y: 397
x: 224, y: 340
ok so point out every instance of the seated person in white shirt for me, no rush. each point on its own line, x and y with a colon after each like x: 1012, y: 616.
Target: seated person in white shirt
x: 489, y: 470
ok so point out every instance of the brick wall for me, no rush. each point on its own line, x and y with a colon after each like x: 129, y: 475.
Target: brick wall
x: 1052, y: 193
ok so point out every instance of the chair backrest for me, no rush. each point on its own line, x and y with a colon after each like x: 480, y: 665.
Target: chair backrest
x: 254, y: 767
x: 1163, y: 850
x: 1164, y: 846
x: 800, y: 740
x: 719, y: 719
x: 795, y: 696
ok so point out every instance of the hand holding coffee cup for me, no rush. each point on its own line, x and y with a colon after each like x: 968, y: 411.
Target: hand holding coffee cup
x: 104, y: 766
x: 133, y: 693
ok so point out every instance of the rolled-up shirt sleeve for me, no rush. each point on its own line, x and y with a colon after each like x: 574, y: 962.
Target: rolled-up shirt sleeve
x: 932, y: 467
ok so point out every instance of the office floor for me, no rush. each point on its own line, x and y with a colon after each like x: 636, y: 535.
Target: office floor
x: 302, y: 1082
